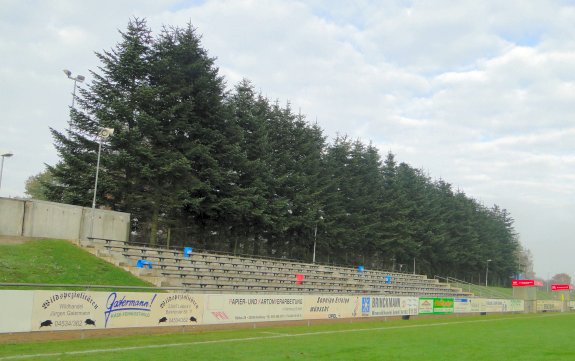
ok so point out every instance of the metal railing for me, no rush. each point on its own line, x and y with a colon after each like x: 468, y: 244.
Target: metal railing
x: 88, y: 287
x: 477, y: 290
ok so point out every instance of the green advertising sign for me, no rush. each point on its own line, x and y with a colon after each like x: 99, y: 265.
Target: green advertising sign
x: 435, y: 306
x: 442, y: 305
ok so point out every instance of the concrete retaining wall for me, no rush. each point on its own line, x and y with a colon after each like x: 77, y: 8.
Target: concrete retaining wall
x: 11, y: 217
x: 33, y: 218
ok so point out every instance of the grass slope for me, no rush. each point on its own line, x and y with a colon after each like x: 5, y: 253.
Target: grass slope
x: 505, y: 292
x: 494, y: 337
x: 59, y: 262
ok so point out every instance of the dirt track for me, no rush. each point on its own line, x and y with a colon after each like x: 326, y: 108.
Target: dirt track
x: 45, y: 336
x: 15, y: 240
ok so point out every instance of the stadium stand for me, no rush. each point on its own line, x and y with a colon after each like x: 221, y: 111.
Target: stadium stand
x: 212, y: 272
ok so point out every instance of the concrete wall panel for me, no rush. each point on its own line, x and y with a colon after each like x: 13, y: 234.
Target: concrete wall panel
x: 33, y: 218
x: 52, y: 220
x: 11, y: 217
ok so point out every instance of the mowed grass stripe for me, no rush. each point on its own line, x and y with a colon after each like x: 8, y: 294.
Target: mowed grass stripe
x: 155, y: 351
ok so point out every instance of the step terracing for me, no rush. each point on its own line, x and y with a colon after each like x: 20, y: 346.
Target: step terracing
x: 219, y: 273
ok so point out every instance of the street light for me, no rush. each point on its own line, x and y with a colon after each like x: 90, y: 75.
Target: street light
x: 3, y: 155
x: 104, y: 133
x: 487, y: 272
x: 77, y: 78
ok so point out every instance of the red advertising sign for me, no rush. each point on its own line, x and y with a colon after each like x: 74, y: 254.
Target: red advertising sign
x: 539, y: 283
x: 522, y: 283
x: 560, y: 287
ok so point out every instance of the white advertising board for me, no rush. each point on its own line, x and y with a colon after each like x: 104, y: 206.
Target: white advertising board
x: 16, y: 311
x: 227, y: 308
x: 498, y: 305
x: 23, y: 311
x: 393, y: 306
x: 462, y: 305
x: 136, y: 309
x: 549, y: 305
x: 333, y: 307
x: 75, y: 310
x: 517, y: 305
x: 67, y: 310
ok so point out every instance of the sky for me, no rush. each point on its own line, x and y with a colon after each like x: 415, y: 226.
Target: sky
x: 478, y: 93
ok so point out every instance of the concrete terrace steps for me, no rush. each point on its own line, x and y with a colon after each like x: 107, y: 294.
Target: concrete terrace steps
x: 207, y: 272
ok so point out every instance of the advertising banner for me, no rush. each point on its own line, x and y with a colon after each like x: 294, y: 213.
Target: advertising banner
x: 436, y: 306
x: 549, y: 305
x: 136, y: 309
x: 179, y: 309
x: 24, y: 311
x: 393, y: 306
x: 496, y: 305
x: 67, y: 310
x: 227, y: 308
x: 560, y: 287
x: 443, y: 305
x: 477, y: 304
x: 461, y: 305
x: 501, y: 305
x: 522, y: 283
x: 517, y: 305
x: 129, y: 309
x: 331, y: 307
x: 74, y: 310
x: 425, y: 306
x: 16, y: 311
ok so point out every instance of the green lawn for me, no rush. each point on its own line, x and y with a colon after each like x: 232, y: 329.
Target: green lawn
x: 501, y: 337
x: 59, y: 262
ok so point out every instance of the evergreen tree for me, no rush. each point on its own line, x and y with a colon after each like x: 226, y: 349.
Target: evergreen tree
x: 241, y: 174
x: 164, y: 99
x: 112, y: 101
x: 253, y: 220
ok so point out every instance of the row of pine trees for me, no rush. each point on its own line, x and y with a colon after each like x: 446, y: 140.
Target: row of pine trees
x: 232, y: 171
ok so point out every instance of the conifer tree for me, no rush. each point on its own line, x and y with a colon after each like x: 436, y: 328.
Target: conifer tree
x: 246, y: 175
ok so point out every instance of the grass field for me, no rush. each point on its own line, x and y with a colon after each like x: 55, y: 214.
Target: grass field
x: 503, y: 337
x: 58, y: 262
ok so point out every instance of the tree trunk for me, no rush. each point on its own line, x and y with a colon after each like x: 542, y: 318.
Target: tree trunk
x: 154, y: 226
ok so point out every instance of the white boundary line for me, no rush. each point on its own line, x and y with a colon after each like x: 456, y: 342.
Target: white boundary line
x: 257, y: 338
x: 276, y: 333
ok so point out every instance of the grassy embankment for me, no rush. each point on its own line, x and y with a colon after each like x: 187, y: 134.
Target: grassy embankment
x: 502, y: 292
x: 58, y: 262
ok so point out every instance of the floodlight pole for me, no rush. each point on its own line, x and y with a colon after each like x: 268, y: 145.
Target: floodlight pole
x: 487, y: 272
x: 76, y: 79
x: 3, y: 155
x: 314, y: 242
x: 315, y: 238
x: 104, y: 133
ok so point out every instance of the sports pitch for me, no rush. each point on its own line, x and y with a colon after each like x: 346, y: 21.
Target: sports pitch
x: 502, y: 337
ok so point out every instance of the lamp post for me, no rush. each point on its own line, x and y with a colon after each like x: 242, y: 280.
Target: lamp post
x: 76, y: 79
x: 104, y: 133
x: 487, y: 272
x: 3, y: 155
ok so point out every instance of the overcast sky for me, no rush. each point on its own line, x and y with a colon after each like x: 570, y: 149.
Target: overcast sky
x: 478, y: 93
